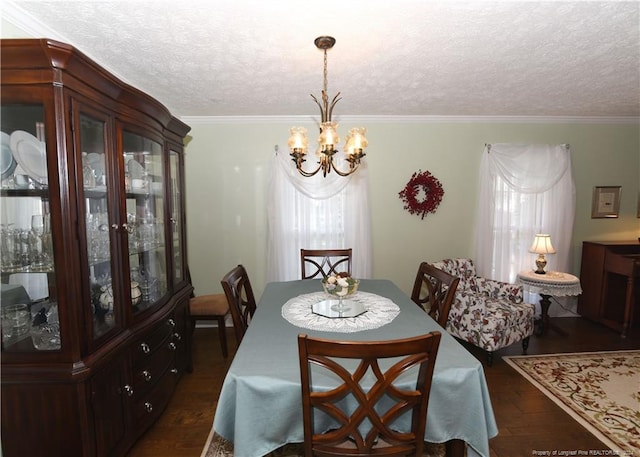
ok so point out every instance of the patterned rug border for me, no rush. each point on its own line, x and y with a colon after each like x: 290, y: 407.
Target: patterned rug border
x: 511, y: 361
x: 207, y: 444
x: 216, y: 446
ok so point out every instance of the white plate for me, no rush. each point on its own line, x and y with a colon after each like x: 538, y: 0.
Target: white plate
x: 30, y: 155
x: 7, y: 161
x: 96, y: 162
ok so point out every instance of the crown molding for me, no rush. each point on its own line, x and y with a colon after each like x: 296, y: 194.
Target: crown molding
x: 392, y: 119
x: 16, y: 16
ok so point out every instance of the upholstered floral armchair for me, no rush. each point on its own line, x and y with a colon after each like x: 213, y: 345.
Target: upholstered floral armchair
x: 487, y: 313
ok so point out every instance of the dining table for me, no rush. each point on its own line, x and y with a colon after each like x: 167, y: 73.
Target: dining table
x: 260, y: 405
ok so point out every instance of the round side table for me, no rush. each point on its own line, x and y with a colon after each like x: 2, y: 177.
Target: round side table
x: 550, y: 284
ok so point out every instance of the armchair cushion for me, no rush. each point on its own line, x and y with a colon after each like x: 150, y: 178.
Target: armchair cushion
x: 487, y: 313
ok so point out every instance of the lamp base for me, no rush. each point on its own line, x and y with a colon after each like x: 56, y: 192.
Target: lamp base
x: 541, y: 262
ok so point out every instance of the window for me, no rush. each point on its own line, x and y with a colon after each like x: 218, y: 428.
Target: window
x: 316, y: 213
x: 524, y: 190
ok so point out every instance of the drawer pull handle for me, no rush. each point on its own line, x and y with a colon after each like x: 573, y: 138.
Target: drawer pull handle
x: 148, y: 406
x: 172, y: 346
x: 145, y: 348
x: 147, y: 375
x: 128, y: 390
x: 171, y: 323
x: 174, y: 370
x: 177, y: 336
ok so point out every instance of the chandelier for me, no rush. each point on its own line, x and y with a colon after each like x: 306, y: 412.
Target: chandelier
x: 328, y: 140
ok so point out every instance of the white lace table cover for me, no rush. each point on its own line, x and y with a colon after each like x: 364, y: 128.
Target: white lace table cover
x: 380, y: 311
x: 553, y: 283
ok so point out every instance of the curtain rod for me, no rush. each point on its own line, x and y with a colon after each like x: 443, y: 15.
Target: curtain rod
x: 567, y: 146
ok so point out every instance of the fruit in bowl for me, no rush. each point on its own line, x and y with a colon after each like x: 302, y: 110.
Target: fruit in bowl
x: 340, y: 285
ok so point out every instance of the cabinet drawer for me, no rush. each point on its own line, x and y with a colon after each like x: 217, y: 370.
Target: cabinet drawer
x: 149, y: 407
x: 153, y: 340
x: 182, y: 325
x: 147, y: 373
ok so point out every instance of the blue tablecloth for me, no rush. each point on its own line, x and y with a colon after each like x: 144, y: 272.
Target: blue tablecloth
x: 260, y: 407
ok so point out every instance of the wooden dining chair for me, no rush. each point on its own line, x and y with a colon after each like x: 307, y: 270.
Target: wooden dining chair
x: 434, y: 291
x: 210, y: 307
x: 369, y: 427
x: 240, y: 298
x: 320, y: 263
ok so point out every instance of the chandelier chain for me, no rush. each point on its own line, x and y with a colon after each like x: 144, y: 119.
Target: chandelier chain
x: 324, y: 82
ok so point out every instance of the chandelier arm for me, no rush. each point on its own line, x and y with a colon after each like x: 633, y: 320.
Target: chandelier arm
x: 352, y: 169
x: 306, y: 174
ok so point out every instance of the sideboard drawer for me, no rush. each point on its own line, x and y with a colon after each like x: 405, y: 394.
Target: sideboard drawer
x: 148, y: 371
x: 152, y: 341
x: 147, y: 408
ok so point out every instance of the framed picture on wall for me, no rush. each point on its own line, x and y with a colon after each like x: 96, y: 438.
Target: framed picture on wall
x: 606, y: 201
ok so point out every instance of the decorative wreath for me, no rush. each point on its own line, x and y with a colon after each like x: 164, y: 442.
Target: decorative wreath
x: 422, y: 183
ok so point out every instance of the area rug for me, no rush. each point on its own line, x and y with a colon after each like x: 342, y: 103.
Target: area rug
x: 601, y: 390
x: 216, y: 446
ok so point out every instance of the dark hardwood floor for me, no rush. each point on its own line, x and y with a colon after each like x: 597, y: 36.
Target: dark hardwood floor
x: 527, y: 420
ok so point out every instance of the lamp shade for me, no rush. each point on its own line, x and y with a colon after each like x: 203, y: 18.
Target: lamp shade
x: 356, y: 141
x: 328, y: 136
x: 298, y: 140
x: 542, y: 244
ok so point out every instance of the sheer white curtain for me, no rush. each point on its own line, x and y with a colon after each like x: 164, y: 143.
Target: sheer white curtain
x: 316, y: 213
x: 524, y: 190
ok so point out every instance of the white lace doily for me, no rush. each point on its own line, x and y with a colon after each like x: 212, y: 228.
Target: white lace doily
x: 380, y: 311
x: 553, y: 283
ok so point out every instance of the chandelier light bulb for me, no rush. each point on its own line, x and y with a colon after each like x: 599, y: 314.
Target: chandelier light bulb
x: 328, y: 137
x: 298, y: 140
x: 356, y: 141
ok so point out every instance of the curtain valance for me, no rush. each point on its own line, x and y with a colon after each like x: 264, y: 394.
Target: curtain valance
x: 528, y: 168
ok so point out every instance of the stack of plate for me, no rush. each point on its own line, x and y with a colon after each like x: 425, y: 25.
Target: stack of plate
x: 7, y: 163
x: 23, y: 153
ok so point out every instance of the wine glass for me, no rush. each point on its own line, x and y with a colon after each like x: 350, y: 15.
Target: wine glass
x: 37, y: 231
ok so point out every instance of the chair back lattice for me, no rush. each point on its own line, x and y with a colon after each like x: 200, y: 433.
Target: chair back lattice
x: 242, y: 302
x: 434, y: 291
x: 373, y: 398
x: 320, y: 263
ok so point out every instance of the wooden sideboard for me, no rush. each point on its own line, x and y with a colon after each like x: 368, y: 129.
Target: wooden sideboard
x: 610, y: 283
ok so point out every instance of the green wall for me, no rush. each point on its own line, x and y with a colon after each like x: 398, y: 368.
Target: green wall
x: 227, y: 170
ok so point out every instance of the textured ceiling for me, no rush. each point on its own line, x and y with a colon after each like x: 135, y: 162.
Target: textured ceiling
x: 402, y: 57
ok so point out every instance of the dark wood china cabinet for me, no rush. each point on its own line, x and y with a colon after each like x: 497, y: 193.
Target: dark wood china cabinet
x: 93, y: 268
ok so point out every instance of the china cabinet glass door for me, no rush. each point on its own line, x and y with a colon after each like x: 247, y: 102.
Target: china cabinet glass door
x: 96, y: 191
x: 29, y: 312
x: 145, y: 212
x: 176, y: 216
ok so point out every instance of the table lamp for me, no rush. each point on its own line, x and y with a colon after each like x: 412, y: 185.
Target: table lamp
x: 541, y: 246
